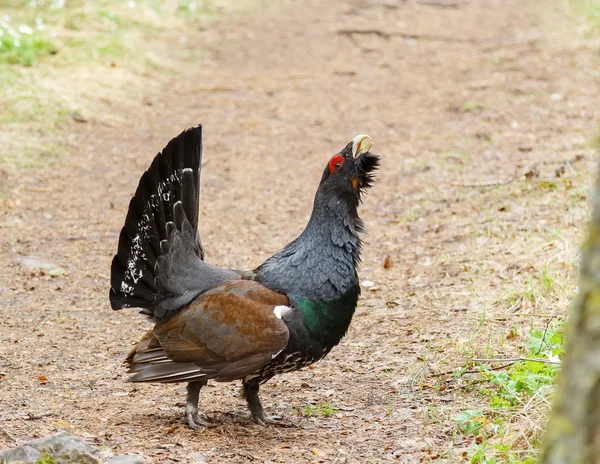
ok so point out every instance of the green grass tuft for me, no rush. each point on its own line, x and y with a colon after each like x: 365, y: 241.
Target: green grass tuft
x: 523, y: 388
x: 61, y: 58
x: 25, y: 50
x: 46, y: 458
x: 589, y: 12
x: 320, y: 409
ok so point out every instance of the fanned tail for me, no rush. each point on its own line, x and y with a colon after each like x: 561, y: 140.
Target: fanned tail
x: 159, y: 265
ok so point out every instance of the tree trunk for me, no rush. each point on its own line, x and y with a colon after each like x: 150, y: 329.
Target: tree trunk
x: 573, y: 433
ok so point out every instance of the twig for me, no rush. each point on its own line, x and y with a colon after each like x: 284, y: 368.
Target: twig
x: 7, y: 435
x: 33, y: 416
x: 487, y: 184
x: 515, y: 305
x: 514, y: 43
x: 451, y: 203
x: 474, y: 371
x: 412, y: 381
x: 431, y: 3
x: 403, y: 35
x: 506, y: 316
x: 513, y: 360
x: 492, y: 41
x: 438, y: 4
x: 544, y: 335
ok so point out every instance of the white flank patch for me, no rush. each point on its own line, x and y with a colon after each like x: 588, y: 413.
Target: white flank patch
x: 281, y: 311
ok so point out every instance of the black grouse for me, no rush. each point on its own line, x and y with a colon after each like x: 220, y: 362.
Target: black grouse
x: 220, y: 324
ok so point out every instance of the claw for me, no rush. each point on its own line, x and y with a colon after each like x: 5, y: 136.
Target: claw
x: 191, y: 408
x: 265, y: 421
x: 194, y: 421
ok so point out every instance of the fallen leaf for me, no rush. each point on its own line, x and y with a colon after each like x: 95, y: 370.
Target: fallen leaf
x: 512, y: 334
x: 532, y: 172
x: 387, y: 262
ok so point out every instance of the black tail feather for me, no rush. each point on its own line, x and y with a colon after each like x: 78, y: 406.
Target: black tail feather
x: 173, y: 176
x: 159, y: 264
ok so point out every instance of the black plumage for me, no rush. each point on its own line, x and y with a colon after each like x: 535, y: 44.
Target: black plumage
x: 215, y: 323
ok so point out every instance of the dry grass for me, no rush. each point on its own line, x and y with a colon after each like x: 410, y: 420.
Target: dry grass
x: 68, y: 62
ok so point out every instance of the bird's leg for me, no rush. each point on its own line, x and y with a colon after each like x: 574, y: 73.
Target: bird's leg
x: 191, y: 409
x: 250, y: 392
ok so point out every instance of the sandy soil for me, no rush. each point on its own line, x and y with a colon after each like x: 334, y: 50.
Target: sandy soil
x: 462, y: 99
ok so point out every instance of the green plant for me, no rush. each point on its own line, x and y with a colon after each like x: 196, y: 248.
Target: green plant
x: 320, y: 409
x: 46, y: 458
x: 520, y: 388
x: 24, y: 49
x: 589, y: 12
x: 473, y: 107
x: 469, y: 421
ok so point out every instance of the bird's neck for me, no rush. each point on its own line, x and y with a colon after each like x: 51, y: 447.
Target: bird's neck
x: 321, y: 263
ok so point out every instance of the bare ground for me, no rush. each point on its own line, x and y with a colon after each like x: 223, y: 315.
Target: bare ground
x: 462, y: 98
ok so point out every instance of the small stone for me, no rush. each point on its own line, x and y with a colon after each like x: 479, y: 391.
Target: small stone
x: 57, y: 271
x: 129, y: 459
x: 197, y: 458
x: 78, y: 117
x: 556, y: 97
x: 33, y: 262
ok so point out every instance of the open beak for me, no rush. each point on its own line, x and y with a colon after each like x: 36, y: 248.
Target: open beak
x: 361, y: 144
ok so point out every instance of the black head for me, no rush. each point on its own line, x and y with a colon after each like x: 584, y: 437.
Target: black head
x: 352, y: 170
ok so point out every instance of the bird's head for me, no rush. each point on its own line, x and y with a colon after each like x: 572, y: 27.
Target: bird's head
x: 352, y: 170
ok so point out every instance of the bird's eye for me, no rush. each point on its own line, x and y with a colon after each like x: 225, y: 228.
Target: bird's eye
x: 335, y: 163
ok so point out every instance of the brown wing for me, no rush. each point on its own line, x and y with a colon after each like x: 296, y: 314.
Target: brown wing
x: 225, y: 334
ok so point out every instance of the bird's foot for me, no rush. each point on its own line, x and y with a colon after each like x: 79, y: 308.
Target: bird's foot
x: 265, y: 421
x: 194, y: 420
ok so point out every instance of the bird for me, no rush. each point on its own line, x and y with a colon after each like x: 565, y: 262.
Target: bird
x: 214, y: 323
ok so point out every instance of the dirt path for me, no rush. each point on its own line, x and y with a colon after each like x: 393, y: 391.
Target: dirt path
x: 454, y: 94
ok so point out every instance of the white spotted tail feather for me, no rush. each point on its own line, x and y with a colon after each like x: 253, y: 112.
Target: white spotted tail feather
x: 159, y: 265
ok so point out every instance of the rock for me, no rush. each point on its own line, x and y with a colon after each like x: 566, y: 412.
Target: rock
x: 197, y: 458
x: 57, y: 271
x: 63, y: 446
x: 21, y: 454
x: 33, y: 262
x: 131, y: 459
x: 77, y: 116
x: 65, y: 449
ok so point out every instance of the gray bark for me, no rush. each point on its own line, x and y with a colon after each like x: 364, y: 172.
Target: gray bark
x: 573, y: 433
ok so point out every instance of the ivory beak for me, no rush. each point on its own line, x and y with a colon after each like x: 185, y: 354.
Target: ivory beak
x: 361, y: 144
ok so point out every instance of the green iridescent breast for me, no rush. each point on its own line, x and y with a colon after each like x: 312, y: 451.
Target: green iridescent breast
x: 328, y: 321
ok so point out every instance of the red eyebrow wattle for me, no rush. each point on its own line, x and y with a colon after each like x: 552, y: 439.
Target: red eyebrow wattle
x: 336, y: 159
